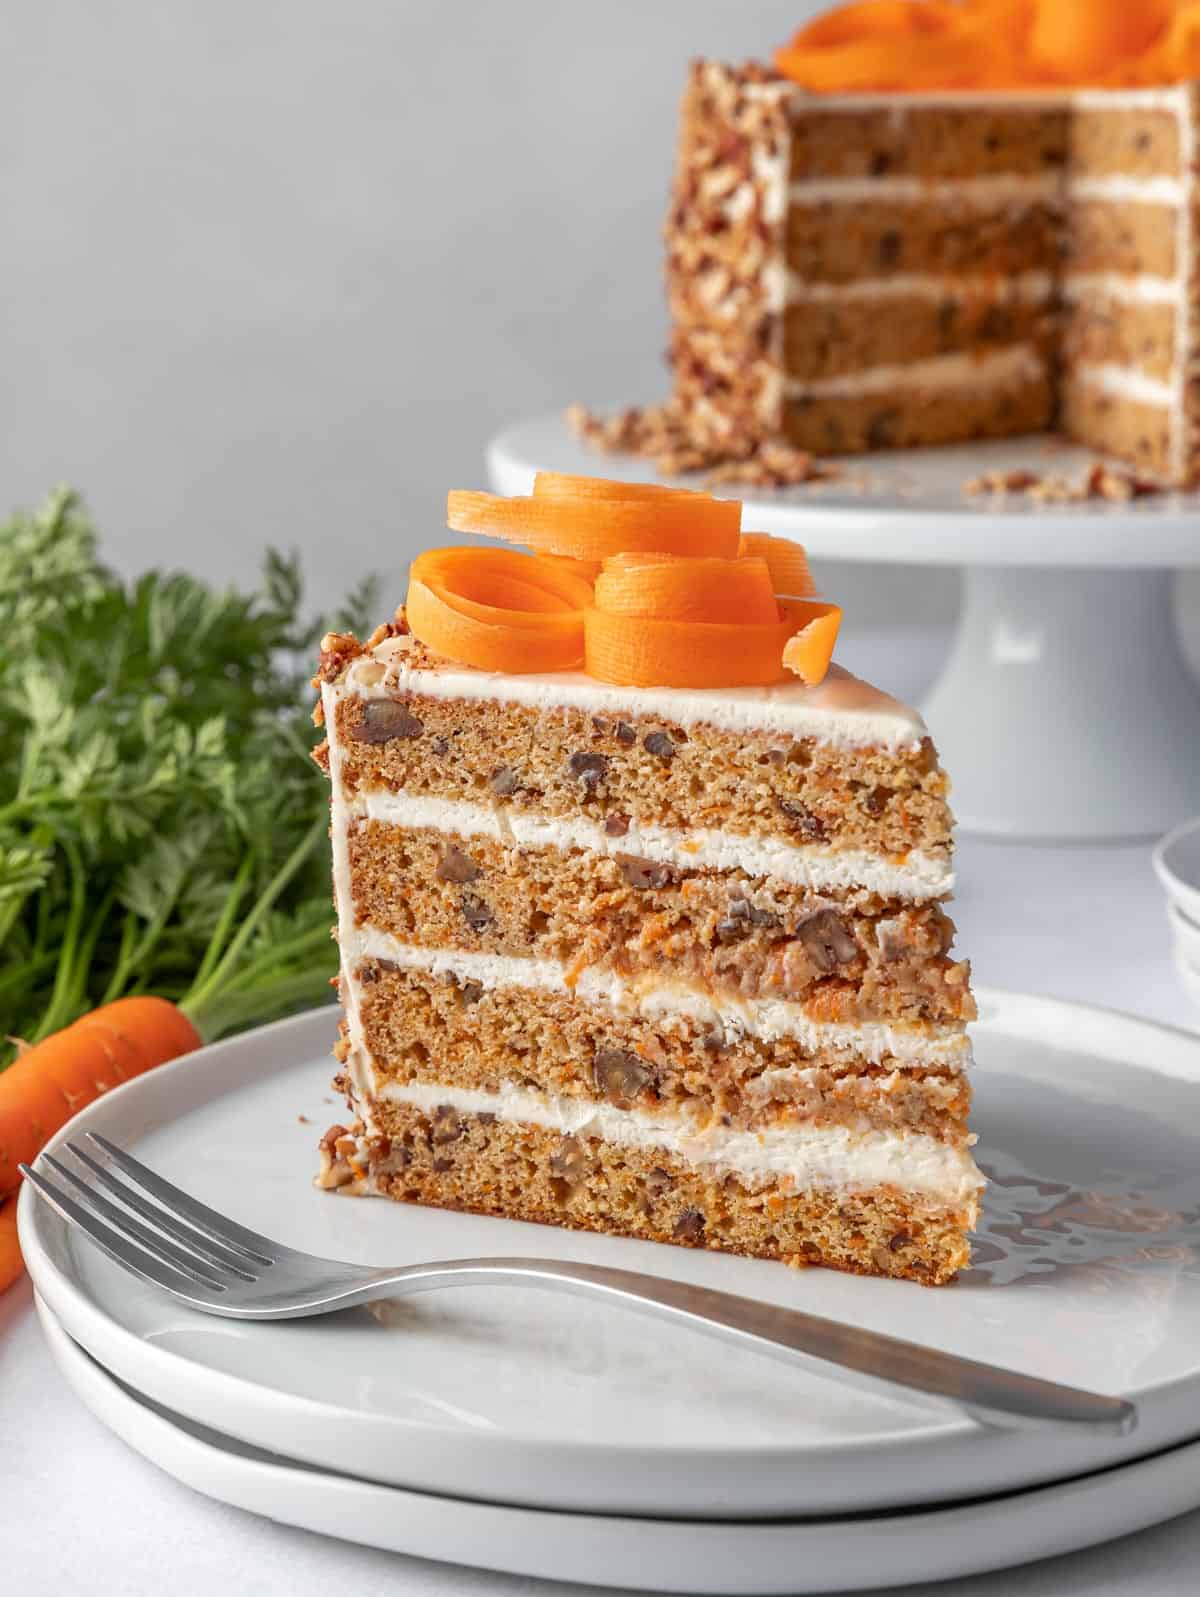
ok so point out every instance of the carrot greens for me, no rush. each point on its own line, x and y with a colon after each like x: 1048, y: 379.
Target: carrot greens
x: 162, y: 827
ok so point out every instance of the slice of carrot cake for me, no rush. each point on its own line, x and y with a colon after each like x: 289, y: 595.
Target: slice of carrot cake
x: 666, y: 961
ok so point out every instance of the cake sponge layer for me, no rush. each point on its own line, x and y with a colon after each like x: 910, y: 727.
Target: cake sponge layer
x: 573, y: 763
x: 718, y: 931
x: 413, y: 1021
x: 830, y: 337
x: 908, y: 418
x: 530, y: 1172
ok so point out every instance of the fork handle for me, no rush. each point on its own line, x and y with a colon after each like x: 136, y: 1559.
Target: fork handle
x: 987, y: 1393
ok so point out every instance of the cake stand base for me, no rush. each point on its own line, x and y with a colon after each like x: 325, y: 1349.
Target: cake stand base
x: 1066, y: 709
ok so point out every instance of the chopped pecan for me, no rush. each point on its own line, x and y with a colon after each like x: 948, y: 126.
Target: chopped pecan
x: 808, y: 824
x: 689, y: 1227
x: 476, y: 913
x: 337, y: 651
x: 385, y: 719
x: 827, y: 941
x: 590, y: 768
x: 455, y: 866
x: 620, y: 1076
x: 660, y: 745
x: 643, y: 873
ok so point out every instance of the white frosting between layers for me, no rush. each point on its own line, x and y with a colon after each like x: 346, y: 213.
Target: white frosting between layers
x: 1031, y: 286
x: 1000, y: 189
x: 1138, y: 288
x: 919, y: 877
x: 897, y: 103
x: 1126, y: 382
x: 843, y: 712
x: 800, y: 1156
x: 1124, y: 190
x: 1017, y: 363
x: 649, y: 996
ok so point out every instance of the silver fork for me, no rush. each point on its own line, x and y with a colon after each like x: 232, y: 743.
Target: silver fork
x: 219, y: 1267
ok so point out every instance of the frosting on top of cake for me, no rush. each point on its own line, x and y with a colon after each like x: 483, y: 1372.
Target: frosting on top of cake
x: 843, y: 710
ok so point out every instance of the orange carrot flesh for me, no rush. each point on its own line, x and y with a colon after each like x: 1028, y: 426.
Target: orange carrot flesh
x: 731, y: 591
x: 632, y: 651
x: 11, y: 1263
x: 70, y: 1069
x: 982, y: 44
x: 786, y: 561
x: 498, y: 610
x: 558, y: 485
x: 641, y: 584
x: 593, y: 528
x: 809, y: 651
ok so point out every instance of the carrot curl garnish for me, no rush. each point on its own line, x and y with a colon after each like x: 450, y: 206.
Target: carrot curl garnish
x: 592, y: 527
x: 643, y: 586
x: 653, y: 586
x: 786, y: 561
x: 917, y: 45
x: 498, y: 610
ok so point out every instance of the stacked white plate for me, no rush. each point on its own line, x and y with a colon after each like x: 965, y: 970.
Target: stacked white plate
x: 555, y: 1437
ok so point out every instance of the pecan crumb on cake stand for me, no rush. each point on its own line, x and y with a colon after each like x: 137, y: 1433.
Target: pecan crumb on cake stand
x: 1066, y: 709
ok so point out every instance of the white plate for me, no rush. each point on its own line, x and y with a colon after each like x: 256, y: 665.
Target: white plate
x: 855, y: 1554
x: 1086, y: 1273
x: 909, y: 504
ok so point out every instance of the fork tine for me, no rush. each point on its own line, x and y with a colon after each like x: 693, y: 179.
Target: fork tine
x: 217, y: 1227
x: 119, y: 1248
x: 126, y: 1226
x: 165, y: 1219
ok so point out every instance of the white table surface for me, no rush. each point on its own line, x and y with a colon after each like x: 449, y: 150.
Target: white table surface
x: 83, y: 1514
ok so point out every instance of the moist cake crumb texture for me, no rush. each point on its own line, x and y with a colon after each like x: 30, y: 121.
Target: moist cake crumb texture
x: 670, y: 964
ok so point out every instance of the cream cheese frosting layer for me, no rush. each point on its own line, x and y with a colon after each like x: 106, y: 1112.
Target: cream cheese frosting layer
x: 843, y: 712
x: 1016, y: 363
x: 1027, y: 286
x: 979, y: 192
x: 1125, y: 190
x: 767, y: 1019
x: 799, y: 1156
x: 917, y: 878
x: 1136, y: 288
x: 1128, y: 383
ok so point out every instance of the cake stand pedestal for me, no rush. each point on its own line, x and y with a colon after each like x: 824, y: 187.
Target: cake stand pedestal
x: 1066, y: 709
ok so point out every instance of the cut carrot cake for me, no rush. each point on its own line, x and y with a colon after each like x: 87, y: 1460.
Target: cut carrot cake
x: 666, y: 961
x: 864, y: 254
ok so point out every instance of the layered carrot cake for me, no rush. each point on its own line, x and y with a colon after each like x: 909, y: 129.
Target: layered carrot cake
x: 864, y: 254
x: 668, y: 961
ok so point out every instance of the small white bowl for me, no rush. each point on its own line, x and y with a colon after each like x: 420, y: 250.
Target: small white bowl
x: 1187, y: 937
x: 1188, y: 975
x: 1177, y: 864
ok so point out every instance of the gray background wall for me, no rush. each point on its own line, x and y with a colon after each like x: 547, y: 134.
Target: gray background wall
x: 274, y: 272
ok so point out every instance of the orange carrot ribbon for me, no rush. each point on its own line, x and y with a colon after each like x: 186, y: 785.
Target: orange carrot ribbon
x: 913, y: 45
x: 641, y: 585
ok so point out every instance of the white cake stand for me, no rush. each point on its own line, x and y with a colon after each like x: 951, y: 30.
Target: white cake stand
x: 1066, y: 709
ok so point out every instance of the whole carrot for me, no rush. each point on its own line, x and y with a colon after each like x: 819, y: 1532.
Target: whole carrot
x: 57, y: 1077
x: 10, y: 1251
